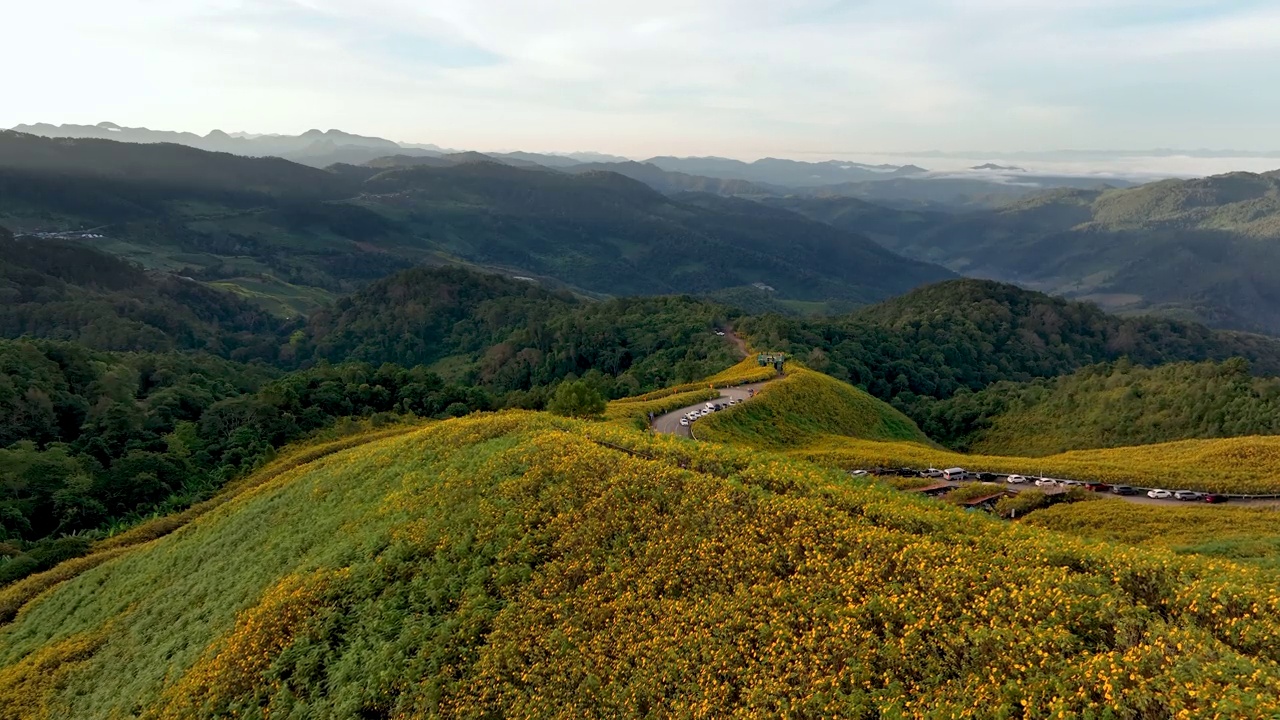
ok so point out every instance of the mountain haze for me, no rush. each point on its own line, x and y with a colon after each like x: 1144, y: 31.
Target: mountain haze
x: 1204, y: 249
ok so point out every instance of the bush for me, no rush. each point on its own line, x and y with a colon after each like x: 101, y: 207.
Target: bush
x: 576, y: 399
x: 1024, y: 502
x: 972, y: 492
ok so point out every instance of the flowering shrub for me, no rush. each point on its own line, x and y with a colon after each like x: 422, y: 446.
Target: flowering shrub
x: 520, y: 565
x: 746, y: 372
x: 631, y: 409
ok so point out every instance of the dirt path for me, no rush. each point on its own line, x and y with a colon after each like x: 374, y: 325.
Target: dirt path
x: 737, y: 341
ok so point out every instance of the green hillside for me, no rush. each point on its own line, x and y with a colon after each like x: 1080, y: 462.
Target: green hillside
x: 966, y: 334
x: 1110, y: 405
x: 803, y: 407
x: 1248, y: 535
x: 520, y: 566
x: 62, y: 290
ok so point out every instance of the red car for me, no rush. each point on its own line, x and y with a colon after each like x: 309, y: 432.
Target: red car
x: 1215, y: 498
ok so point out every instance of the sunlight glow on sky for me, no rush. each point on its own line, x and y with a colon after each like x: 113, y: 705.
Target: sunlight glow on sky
x: 741, y: 78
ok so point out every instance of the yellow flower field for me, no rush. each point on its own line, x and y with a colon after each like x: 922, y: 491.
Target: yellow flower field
x: 520, y: 565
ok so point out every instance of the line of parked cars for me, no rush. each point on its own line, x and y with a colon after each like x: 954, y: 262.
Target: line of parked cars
x: 705, y: 410
x: 1044, y: 482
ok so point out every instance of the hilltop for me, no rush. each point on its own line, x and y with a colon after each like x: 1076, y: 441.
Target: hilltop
x: 804, y: 407
x: 564, y: 567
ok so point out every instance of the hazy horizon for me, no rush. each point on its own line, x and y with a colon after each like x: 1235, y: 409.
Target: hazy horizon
x: 696, y: 77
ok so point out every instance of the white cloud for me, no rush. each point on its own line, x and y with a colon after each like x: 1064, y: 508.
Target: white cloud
x: 744, y: 77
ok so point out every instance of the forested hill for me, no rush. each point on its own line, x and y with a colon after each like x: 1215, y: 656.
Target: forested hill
x: 1202, y: 249
x: 511, y: 335
x: 164, y: 169
x: 289, y: 237
x: 63, y: 290
x: 935, y: 341
x: 1110, y: 405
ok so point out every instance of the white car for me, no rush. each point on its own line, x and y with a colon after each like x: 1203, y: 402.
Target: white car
x: 1046, y: 482
x: 1159, y: 494
x: 733, y: 401
x: 1015, y: 479
x: 684, y: 422
x: 720, y: 333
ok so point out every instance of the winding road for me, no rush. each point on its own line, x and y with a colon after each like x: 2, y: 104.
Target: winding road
x: 669, y: 424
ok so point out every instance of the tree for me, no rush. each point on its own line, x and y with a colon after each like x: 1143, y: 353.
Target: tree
x: 576, y: 399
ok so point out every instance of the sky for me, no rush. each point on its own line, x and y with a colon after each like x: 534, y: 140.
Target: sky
x: 737, y: 78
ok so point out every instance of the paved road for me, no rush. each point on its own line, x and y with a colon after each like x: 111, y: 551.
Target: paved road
x: 670, y: 423
x: 1139, y: 499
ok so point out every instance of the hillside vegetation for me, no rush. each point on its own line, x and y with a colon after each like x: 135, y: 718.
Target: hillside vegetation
x: 64, y: 291
x: 549, y: 575
x: 933, y: 342
x: 1192, y: 249
x: 1110, y: 405
x: 1241, y: 534
x: 811, y: 416
x: 1245, y: 465
x: 805, y: 406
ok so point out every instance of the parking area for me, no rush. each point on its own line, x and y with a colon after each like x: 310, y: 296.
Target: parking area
x: 1053, y: 486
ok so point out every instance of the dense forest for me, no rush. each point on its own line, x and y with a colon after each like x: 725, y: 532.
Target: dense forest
x: 1109, y: 405
x: 967, y: 334
x: 63, y: 290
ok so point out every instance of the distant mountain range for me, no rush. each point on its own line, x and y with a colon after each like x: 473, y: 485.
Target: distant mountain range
x: 281, y: 232
x: 787, y: 173
x: 1206, y: 249
x: 986, y: 186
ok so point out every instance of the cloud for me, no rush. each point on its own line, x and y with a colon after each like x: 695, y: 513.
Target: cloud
x: 744, y: 77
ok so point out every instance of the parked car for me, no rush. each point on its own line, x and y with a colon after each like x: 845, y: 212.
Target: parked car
x: 1098, y: 487
x: 1159, y: 494
x: 1211, y: 498
x: 709, y: 405
x: 1124, y: 490
x: 1046, y: 482
x: 988, y: 477
x: 954, y: 474
x: 734, y: 401
x: 931, y: 473
x: 858, y: 473
x: 720, y: 333
x: 1015, y: 479
x: 1188, y: 495
x: 684, y: 422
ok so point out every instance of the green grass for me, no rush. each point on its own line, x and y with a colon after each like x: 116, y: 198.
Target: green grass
x: 275, y: 295
x: 806, y: 406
